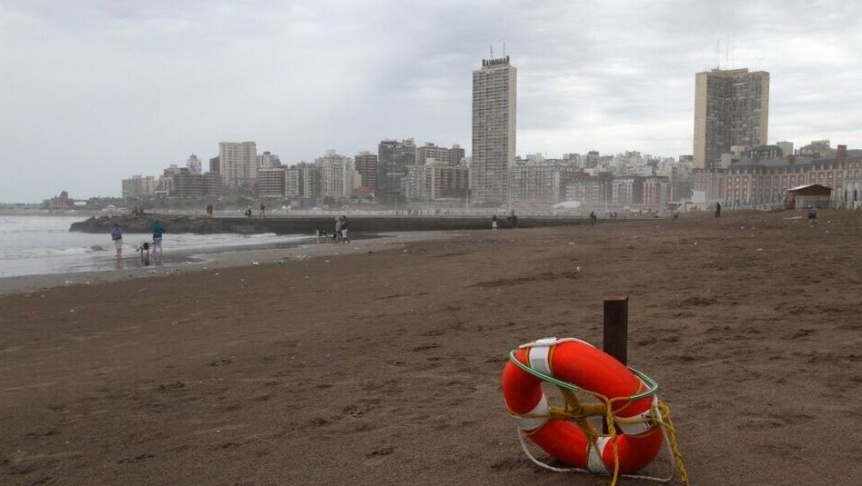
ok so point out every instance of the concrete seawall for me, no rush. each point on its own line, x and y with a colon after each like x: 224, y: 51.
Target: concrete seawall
x: 306, y: 224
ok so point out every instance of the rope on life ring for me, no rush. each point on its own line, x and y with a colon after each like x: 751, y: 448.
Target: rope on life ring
x: 578, y: 414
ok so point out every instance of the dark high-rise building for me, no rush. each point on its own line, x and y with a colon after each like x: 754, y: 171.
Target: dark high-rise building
x: 366, y: 165
x: 393, y: 159
x: 456, y: 155
x: 731, y: 114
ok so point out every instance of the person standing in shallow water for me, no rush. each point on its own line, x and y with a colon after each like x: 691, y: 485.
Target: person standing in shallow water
x: 158, y: 231
x: 117, y: 238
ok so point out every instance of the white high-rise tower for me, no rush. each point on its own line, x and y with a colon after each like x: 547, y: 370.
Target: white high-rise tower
x: 495, y: 89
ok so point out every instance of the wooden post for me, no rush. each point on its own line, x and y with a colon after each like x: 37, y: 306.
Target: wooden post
x: 616, y: 328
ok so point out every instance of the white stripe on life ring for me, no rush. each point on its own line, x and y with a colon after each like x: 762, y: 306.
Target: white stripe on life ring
x: 595, y: 463
x: 540, y: 355
x: 639, y: 423
x: 535, y: 418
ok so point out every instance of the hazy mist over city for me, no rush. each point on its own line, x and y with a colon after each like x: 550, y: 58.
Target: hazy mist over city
x: 94, y: 91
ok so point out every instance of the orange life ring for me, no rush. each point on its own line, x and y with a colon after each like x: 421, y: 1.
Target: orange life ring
x: 576, y: 362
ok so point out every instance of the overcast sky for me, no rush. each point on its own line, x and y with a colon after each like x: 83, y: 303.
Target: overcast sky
x: 94, y: 91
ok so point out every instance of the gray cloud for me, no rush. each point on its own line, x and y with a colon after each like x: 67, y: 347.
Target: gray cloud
x: 93, y: 91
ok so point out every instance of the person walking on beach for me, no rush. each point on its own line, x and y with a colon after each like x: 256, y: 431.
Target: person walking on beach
x: 262, y: 210
x: 717, y: 210
x: 158, y: 231
x: 117, y: 237
x: 344, y: 238
x: 812, y: 216
x: 494, y: 222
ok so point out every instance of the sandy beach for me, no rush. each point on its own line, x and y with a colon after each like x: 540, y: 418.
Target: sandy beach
x: 379, y: 363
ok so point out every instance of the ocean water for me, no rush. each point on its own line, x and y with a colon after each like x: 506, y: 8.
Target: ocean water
x: 33, y: 245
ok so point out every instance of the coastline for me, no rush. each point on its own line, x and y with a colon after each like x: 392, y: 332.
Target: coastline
x: 195, y: 261
x: 378, y: 367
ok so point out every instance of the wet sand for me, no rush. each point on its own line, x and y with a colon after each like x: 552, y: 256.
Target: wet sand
x: 381, y: 365
x: 176, y: 262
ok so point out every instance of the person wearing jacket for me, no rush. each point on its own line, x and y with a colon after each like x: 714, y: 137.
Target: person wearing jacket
x: 158, y: 231
x: 117, y: 237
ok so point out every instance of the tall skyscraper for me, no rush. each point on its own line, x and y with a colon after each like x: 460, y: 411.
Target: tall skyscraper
x: 393, y: 160
x: 238, y: 164
x: 495, y: 89
x: 366, y: 165
x: 731, y: 109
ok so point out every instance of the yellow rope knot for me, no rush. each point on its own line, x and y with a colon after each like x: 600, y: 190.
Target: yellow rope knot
x: 579, y: 413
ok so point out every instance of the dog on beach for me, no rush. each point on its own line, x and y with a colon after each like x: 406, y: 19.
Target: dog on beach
x: 322, y: 235
x: 144, y: 249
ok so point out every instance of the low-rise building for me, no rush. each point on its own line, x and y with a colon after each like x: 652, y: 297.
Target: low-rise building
x: 138, y: 186
x: 764, y: 182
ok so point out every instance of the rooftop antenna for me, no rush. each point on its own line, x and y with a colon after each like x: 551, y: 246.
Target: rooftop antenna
x: 727, y: 53
x: 718, y: 53
x: 733, y: 48
x: 504, y: 48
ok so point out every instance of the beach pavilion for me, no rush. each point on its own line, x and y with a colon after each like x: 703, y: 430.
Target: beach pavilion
x: 809, y: 195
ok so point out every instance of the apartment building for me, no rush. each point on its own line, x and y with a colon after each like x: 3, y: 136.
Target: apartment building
x: 627, y: 192
x: 187, y: 184
x: 213, y: 185
x: 591, y: 191
x: 656, y: 192
x: 431, y: 152
x: 494, y: 128
x: 336, y: 175
x: 366, y: 165
x: 393, y: 160
x: 764, y: 182
x: 435, y: 181
x: 194, y: 165
x: 456, y: 155
x: 238, y: 164
x: 138, y: 186
x: 731, y: 110
x: 542, y: 183
x: 271, y: 182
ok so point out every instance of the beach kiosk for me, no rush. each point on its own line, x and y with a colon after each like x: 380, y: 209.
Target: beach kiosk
x: 809, y: 196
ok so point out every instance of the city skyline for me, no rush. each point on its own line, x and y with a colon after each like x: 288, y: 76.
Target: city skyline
x: 132, y: 88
